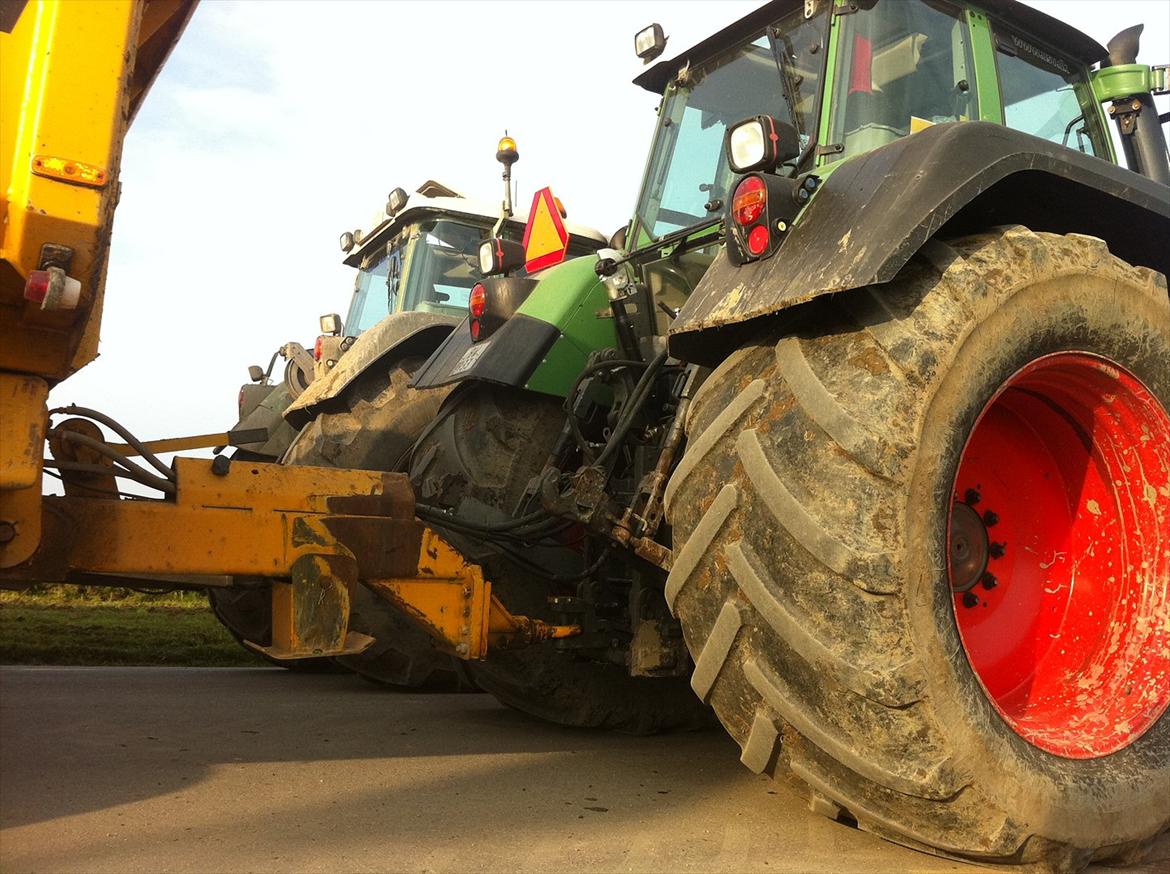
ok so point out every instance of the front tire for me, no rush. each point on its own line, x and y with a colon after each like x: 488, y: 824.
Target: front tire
x: 815, y: 562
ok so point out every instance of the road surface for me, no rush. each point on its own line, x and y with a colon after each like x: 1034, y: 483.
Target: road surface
x: 208, y: 770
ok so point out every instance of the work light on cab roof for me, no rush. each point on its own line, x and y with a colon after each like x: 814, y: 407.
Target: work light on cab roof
x: 649, y: 42
x: 395, y: 201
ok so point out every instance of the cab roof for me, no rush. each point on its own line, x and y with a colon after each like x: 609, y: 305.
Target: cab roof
x: 1031, y: 21
x: 433, y: 198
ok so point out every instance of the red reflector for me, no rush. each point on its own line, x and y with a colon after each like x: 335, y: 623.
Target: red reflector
x: 37, y: 285
x: 317, y: 348
x: 758, y: 240
x: 477, y: 302
x: 475, y: 329
x: 748, y: 201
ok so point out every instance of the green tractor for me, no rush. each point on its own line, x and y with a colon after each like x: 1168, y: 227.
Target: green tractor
x: 866, y: 413
x: 415, y: 271
x: 418, y: 258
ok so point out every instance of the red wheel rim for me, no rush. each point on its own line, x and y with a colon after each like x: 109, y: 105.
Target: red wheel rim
x: 1062, y: 593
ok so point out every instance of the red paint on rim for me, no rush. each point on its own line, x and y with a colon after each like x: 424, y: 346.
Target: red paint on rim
x: 1071, y: 641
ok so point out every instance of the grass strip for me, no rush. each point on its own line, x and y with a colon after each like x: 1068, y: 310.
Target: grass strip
x: 62, y: 625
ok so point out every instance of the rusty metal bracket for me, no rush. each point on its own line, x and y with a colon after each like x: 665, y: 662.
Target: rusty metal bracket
x: 451, y: 601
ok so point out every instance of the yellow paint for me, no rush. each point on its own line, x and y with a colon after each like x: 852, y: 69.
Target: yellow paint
x: 452, y: 602
x: 71, y: 74
x: 22, y: 430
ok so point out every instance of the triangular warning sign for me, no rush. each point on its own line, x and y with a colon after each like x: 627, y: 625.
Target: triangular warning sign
x: 545, y: 239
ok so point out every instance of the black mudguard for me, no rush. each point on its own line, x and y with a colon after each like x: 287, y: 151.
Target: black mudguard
x: 413, y: 333
x: 875, y: 211
x: 268, y: 415
x: 508, y: 357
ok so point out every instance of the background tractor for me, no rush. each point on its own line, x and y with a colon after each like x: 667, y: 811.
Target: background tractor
x: 419, y: 257
x: 416, y: 269
x: 869, y: 408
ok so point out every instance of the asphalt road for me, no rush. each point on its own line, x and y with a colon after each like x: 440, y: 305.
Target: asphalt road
x: 188, y: 769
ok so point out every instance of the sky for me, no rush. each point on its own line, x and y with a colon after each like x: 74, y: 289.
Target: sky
x: 277, y: 124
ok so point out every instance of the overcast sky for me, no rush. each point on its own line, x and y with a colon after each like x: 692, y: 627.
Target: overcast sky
x: 277, y: 125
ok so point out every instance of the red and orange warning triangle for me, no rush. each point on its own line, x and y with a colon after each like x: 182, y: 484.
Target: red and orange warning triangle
x: 545, y: 239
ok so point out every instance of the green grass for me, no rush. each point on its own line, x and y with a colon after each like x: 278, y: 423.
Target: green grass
x: 87, y: 625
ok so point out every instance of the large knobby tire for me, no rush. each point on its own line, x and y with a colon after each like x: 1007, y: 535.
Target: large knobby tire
x: 380, y: 418
x: 810, y: 523
x: 488, y: 443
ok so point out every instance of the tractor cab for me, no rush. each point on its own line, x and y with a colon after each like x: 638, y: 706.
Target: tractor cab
x: 423, y: 256
x: 842, y: 80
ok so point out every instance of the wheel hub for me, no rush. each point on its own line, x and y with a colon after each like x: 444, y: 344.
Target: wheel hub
x: 1063, y: 608
x: 969, y: 547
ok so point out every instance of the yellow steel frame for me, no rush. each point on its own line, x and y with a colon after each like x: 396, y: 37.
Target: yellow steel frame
x: 451, y: 600
x: 71, y: 74
x: 314, y: 532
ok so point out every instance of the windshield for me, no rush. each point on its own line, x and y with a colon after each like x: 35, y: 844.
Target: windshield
x: 443, y: 267
x: 374, y: 290
x: 1045, y: 95
x: 901, y: 67
x: 688, y: 177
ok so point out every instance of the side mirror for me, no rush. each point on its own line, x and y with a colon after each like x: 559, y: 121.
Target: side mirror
x: 498, y: 256
x: 760, y: 143
x: 256, y: 373
x: 331, y: 324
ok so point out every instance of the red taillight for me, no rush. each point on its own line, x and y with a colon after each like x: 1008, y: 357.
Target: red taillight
x: 757, y: 241
x: 477, y: 302
x: 475, y: 329
x: 749, y: 200
x: 240, y: 402
x: 37, y: 285
x: 317, y: 348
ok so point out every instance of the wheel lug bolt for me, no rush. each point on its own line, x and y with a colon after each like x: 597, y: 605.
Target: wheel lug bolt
x: 996, y: 550
x: 971, y: 497
x: 990, y: 518
x: 970, y: 599
x: 989, y: 581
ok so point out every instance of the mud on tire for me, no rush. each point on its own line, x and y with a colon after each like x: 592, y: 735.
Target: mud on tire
x: 809, y: 516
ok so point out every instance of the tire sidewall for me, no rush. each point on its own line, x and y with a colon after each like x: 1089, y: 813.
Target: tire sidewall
x: 1087, y: 802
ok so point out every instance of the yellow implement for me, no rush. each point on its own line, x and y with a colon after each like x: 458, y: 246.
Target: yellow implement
x: 72, y: 76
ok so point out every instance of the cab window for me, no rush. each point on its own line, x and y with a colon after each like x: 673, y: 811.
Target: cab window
x: 903, y: 66
x: 1044, y: 94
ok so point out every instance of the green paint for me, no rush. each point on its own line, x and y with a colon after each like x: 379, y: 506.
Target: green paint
x: 569, y: 296
x: 1124, y: 80
x: 823, y: 126
x: 986, y: 75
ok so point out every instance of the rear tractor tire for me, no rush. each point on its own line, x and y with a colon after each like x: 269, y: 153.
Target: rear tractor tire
x: 488, y: 443
x: 922, y: 545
